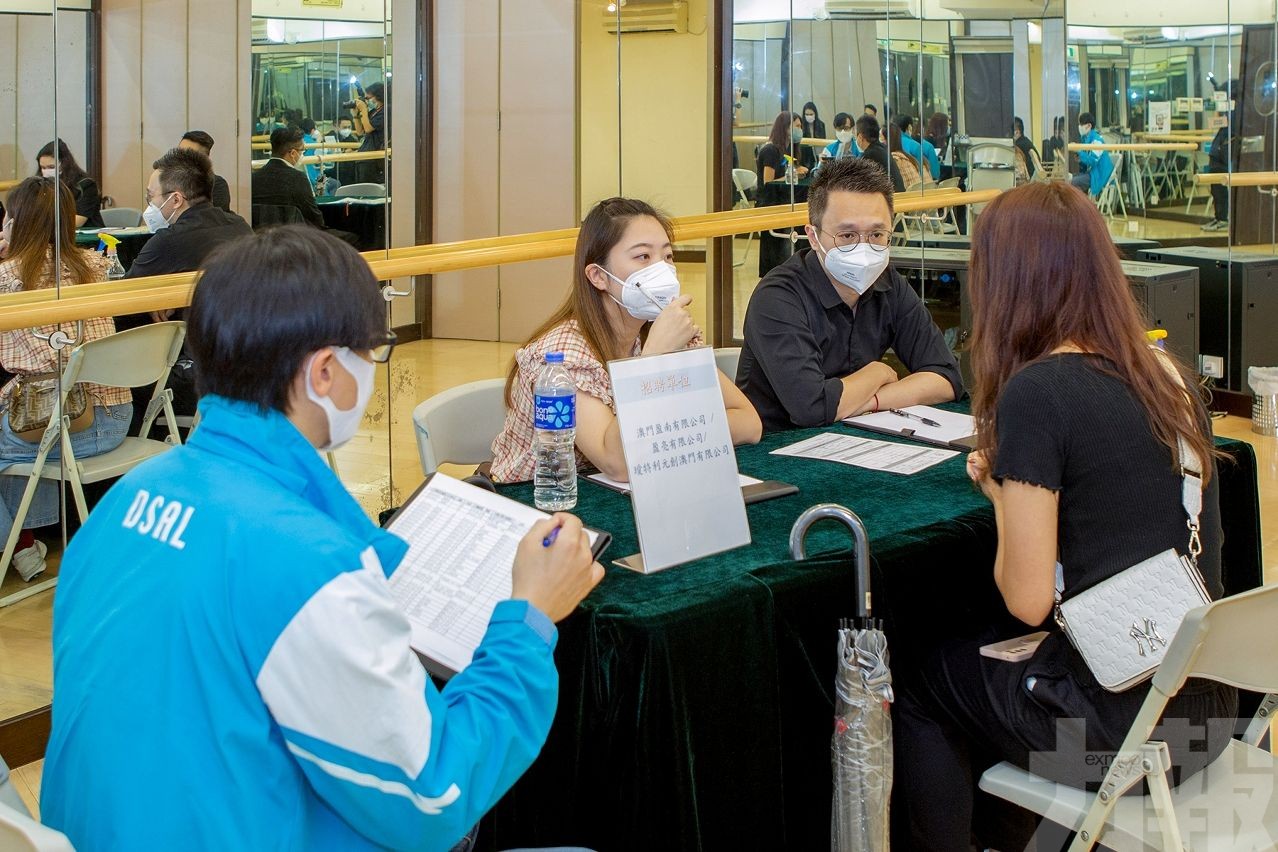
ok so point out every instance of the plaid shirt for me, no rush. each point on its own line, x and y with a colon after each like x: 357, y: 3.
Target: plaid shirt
x: 513, y: 459
x: 21, y: 352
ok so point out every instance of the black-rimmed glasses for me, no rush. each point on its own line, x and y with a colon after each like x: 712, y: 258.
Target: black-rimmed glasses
x: 877, y: 239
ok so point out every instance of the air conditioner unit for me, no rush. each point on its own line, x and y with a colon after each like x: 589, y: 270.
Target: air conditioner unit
x: 872, y: 9
x: 639, y: 17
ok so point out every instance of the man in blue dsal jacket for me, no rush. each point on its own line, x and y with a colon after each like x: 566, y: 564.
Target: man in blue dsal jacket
x: 230, y: 669
x: 1098, y: 164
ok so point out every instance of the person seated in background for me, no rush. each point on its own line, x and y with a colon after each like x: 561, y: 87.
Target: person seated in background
x: 871, y: 110
x: 920, y: 149
x: 938, y: 135
x: 784, y: 140
x: 198, y: 140
x: 315, y: 172
x: 1097, y: 165
x: 33, y: 237
x: 914, y: 175
x: 181, y: 216
x: 818, y: 324
x: 874, y: 151
x: 1054, y: 145
x: 623, y: 281
x: 265, y: 647
x: 1024, y: 146
x: 186, y: 228
x: 1078, y: 421
x: 55, y: 160
x: 343, y: 131
x: 813, y: 126
x: 342, y: 172
x: 844, y: 144
x: 280, y: 183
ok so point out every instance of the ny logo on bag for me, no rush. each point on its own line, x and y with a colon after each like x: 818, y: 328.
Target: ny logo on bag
x: 1148, y: 635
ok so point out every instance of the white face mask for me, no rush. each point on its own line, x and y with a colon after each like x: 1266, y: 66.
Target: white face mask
x: 844, y: 136
x: 647, y: 291
x: 858, y: 268
x: 809, y: 117
x: 342, y: 425
x: 49, y: 172
x: 344, y: 132
x: 1083, y: 130
x: 154, y: 217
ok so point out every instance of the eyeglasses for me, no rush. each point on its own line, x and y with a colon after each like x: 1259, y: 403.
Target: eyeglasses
x: 877, y: 240
x: 380, y: 350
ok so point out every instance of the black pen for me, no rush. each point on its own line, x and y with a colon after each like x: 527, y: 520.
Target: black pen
x: 907, y: 415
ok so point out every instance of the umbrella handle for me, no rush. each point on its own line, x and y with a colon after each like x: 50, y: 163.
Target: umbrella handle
x: 799, y: 534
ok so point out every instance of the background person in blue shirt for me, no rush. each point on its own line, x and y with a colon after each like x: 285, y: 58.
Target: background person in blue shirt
x: 919, y: 149
x: 844, y: 145
x: 1097, y: 164
x: 230, y: 667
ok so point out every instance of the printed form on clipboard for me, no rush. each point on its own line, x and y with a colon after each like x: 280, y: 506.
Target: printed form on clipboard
x: 953, y: 429
x: 461, y: 549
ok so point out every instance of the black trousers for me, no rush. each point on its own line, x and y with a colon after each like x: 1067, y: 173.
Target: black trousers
x: 1220, y: 202
x: 958, y: 713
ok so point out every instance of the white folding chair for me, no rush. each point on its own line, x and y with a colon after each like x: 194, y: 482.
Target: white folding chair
x: 1198, y: 166
x: 363, y: 190
x: 458, y: 426
x: 126, y: 359
x: 1230, y: 804
x: 726, y: 358
x: 1110, y: 199
x: 121, y: 217
x: 20, y: 833
x: 743, y: 180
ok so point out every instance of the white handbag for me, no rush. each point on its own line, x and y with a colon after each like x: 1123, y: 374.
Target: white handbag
x: 1121, y: 626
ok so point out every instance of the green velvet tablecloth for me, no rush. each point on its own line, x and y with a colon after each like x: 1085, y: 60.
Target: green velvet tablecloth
x: 696, y: 704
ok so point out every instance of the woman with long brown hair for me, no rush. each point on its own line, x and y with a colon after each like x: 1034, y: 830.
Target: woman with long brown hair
x: 784, y: 140
x: 1078, y: 419
x: 622, y: 244
x: 36, y: 237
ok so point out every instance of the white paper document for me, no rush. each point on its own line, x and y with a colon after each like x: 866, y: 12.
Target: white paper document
x: 461, y: 548
x: 867, y: 453
x: 684, y: 478
x: 954, y: 426
x: 624, y: 487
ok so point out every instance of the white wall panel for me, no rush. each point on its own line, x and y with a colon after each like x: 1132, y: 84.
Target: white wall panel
x: 465, y: 155
x: 538, y: 156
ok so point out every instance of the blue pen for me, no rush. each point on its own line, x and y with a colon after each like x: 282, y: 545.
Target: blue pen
x: 550, y: 539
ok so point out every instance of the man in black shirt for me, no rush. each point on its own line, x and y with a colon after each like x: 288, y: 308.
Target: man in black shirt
x: 186, y: 229
x: 198, y: 140
x: 370, y: 120
x: 186, y: 224
x: 279, y: 183
x: 867, y: 139
x: 818, y: 324
x: 1023, y: 145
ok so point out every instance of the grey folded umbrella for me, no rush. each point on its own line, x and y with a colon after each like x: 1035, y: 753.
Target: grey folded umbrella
x: 862, y: 743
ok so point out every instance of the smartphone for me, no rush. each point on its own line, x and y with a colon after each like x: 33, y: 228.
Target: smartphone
x: 1014, y: 650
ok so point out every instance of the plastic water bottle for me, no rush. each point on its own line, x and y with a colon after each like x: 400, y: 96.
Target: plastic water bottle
x: 554, y: 436
x: 116, y: 272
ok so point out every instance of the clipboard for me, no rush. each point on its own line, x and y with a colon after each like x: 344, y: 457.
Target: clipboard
x: 447, y: 572
x: 602, y: 540
x: 889, y: 423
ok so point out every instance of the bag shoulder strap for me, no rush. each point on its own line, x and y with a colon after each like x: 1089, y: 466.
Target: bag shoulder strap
x: 1191, y: 467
